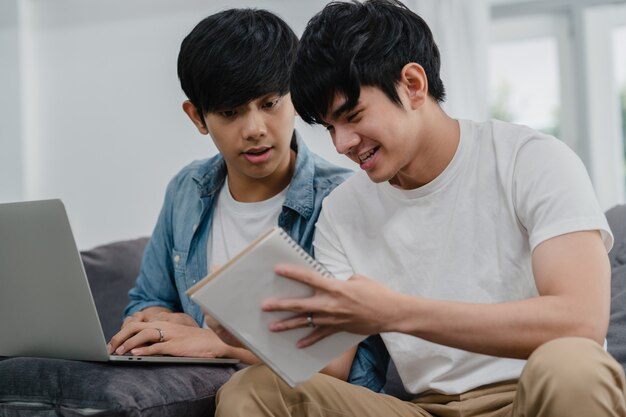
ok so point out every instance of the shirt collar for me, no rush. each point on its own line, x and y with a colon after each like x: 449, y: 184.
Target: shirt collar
x: 300, y: 193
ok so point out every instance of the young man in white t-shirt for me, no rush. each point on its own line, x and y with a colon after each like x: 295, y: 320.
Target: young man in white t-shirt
x: 477, y: 250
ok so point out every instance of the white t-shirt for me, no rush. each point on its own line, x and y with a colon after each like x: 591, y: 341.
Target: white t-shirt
x: 236, y: 224
x: 467, y: 236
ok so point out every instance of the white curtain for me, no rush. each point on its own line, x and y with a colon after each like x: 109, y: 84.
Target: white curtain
x: 460, y: 28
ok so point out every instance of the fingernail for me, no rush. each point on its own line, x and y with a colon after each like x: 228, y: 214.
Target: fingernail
x: 135, y: 352
x: 120, y: 350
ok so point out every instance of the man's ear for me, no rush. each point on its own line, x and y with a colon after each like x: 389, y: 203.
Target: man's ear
x: 415, y: 83
x: 195, y: 117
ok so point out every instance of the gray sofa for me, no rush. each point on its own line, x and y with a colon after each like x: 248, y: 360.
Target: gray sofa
x: 51, y: 387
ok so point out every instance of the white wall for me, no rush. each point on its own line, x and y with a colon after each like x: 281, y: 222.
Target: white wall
x: 10, y: 134
x: 101, y: 124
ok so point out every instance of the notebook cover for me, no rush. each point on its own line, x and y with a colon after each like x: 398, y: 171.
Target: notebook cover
x: 233, y: 296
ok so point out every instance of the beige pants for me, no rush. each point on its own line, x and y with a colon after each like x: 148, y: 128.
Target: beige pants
x: 569, y: 377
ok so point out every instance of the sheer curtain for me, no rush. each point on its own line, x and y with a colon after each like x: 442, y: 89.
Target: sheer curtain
x: 460, y: 28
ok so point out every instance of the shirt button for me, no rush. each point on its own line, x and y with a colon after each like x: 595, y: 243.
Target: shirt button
x: 177, y: 259
x: 195, y: 226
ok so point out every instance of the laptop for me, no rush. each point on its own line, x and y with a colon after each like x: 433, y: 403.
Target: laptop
x: 46, y: 305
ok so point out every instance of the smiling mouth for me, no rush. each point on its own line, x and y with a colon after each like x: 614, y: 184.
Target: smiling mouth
x: 364, y: 157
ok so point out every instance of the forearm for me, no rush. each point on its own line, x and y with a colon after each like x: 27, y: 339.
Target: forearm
x: 340, y: 367
x: 156, y: 283
x: 157, y: 291
x: 244, y: 355
x: 512, y: 329
x: 154, y: 311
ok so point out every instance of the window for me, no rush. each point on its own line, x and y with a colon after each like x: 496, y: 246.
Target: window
x: 524, y: 90
x: 559, y: 66
x: 527, y: 85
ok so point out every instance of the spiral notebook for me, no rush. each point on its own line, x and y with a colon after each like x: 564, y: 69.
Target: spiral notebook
x: 233, y: 296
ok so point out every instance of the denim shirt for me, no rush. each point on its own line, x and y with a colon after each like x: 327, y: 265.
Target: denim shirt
x: 176, y: 255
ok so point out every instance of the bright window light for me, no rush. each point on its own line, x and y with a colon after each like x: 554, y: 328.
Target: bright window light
x: 524, y: 83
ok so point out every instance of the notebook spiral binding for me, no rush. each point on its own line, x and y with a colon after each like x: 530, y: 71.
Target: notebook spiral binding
x: 308, y: 258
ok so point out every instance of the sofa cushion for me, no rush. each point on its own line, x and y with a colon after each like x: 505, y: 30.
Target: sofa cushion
x: 616, y: 217
x: 52, y: 387
x: 55, y: 387
x: 616, y: 336
x: 112, y: 270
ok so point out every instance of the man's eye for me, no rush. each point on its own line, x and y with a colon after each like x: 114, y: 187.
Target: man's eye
x: 272, y: 103
x: 353, y: 116
x: 228, y: 113
x: 330, y: 128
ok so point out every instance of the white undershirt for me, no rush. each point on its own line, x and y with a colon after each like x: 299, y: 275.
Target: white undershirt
x: 237, y: 224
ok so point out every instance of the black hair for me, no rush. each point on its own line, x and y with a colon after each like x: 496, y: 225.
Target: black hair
x: 235, y: 56
x: 351, y: 44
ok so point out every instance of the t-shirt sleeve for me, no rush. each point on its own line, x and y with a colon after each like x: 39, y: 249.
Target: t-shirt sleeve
x: 553, y: 194
x: 328, y: 248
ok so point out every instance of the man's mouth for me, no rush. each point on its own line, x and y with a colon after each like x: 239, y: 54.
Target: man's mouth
x: 365, y: 156
x: 257, y: 151
x: 258, y: 155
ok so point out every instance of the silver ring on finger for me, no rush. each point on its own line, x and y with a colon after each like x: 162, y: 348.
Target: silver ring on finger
x: 309, y: 320
x: 161, y: 335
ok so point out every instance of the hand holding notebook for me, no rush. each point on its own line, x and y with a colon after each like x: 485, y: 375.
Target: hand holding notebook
x: 233, y: 296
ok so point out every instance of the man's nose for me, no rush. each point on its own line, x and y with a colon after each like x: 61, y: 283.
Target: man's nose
x: 254, y: 126
x: 345, y: 140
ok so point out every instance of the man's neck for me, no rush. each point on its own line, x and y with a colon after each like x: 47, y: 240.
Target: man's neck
x: 439, y: 139
x: 252, y: 190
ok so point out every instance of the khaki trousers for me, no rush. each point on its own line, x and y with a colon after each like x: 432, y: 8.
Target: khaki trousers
x: 567, y: 377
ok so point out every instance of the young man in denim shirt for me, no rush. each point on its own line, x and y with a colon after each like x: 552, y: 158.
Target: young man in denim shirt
x: 234, y: 67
